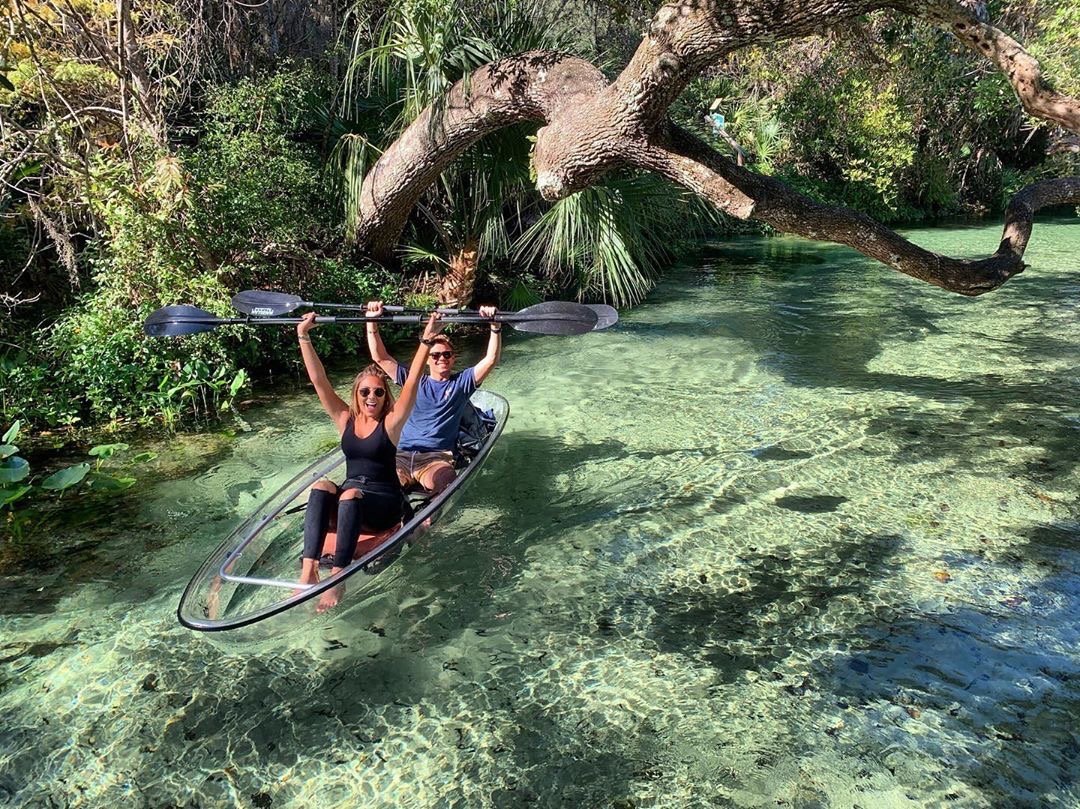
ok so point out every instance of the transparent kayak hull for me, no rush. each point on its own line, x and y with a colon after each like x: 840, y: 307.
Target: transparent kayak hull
x: 253, y: 575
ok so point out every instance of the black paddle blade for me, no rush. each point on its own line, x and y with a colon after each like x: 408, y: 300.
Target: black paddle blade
x: 552, y: 317
x: 605, y: 315
x: 265, y: 304
x: 174, y: 321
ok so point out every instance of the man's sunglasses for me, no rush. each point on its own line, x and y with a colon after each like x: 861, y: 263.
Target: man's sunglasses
x: 438, y: 355
x: 379, y: 392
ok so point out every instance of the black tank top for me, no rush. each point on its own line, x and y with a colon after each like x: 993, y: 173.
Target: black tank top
x: 370, y: 458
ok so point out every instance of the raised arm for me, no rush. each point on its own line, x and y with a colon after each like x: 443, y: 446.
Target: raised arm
x: 379, y: 355
x: 399, y: 413
x: 331, y: 402
x: 494, y: 348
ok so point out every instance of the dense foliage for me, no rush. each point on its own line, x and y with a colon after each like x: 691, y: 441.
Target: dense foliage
x: 216, y: 152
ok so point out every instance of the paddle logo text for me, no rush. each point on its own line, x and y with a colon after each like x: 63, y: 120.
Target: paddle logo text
x: 261, y: 310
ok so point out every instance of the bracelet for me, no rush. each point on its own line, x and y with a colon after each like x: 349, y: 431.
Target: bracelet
x: 303, y: 338
x: 428, y: 343
x: 496, y: 331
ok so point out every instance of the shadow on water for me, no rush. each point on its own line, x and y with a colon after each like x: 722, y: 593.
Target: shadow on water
x: 964, y: 697
x: 569, y: 766
x: 738, y: 631
x: 730, y: 632
x: 809, y: 335
x: 1054, y: 545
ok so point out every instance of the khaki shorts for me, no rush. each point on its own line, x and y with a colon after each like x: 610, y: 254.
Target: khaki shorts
x: 412, y: 466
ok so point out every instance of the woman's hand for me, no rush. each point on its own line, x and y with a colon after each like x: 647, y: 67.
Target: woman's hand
x: 374, y: 309
x: 433, y: 327
x: 306, y: 324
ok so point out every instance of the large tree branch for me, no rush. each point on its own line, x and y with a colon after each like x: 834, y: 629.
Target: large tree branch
x: 686, y: 37
x: 1020, y: 68
x: 692, y: 163
x: 591, y: 127
x: 534, y: 86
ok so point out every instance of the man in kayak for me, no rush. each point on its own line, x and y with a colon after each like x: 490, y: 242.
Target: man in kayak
x: 426, y: 450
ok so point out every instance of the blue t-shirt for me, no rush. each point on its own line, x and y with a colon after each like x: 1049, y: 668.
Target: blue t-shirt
x: 434, y: 422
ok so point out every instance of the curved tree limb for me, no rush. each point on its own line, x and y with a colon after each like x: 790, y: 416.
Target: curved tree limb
x: 1020, y: 68
x: 738, y: 192
x: 534, y: 86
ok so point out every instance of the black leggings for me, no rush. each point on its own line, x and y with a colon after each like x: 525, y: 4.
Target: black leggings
x: 373, y: 511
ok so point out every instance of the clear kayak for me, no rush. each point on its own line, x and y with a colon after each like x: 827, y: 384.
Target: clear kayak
x: 253, y: 575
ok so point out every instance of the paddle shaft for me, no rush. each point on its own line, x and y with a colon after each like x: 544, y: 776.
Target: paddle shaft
x: 359, y: 307
x: 265, y: 304
x: 507, y: 317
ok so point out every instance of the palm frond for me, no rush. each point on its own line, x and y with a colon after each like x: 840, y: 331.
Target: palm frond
x: 522, y: 294
x: 351, y: 157
x: 611, y: 241
x: 418, y: 254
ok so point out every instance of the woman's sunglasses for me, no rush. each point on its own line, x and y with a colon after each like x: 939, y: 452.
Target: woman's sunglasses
x: 379, y: 392
x: 438, y: 355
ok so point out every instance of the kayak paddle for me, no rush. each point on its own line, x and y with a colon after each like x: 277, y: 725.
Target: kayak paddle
x: 260, y: 303
x: 554, y: 317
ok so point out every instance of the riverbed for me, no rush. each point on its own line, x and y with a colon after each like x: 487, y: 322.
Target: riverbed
x: 798, y: 531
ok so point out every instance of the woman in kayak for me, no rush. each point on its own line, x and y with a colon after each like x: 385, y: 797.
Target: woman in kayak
x: 370, y: 499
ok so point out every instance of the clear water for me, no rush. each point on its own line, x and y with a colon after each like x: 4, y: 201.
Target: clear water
x: 798, y: 532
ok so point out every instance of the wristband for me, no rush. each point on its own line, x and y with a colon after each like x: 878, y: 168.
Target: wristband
x: 428, y: 343
x: 496, y: 331
x: 303, y: 338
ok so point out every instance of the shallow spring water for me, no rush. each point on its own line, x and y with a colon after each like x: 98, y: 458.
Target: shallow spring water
x: 798, y: 532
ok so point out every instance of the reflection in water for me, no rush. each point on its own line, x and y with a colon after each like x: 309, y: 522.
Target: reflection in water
x: 797, y: 532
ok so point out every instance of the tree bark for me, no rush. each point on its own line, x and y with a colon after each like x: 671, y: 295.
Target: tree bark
x: 521, y: 88
x: 591, y: 126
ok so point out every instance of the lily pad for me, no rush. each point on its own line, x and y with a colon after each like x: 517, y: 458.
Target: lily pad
x: 66, y: 478
x: 107, y: 450
x: 11, y: 434
x: 10, y: 495
x: 7, y: 450
x: 107, y: 483
x: 13, y: 469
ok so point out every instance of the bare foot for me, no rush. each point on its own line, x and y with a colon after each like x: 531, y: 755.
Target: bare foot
x: 330, y: 598
x: 309, y: 574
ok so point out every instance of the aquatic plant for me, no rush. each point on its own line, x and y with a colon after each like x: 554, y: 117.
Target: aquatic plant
x: 24, y: 501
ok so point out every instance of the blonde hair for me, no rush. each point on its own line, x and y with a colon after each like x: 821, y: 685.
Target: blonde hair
x: 388, y: 399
